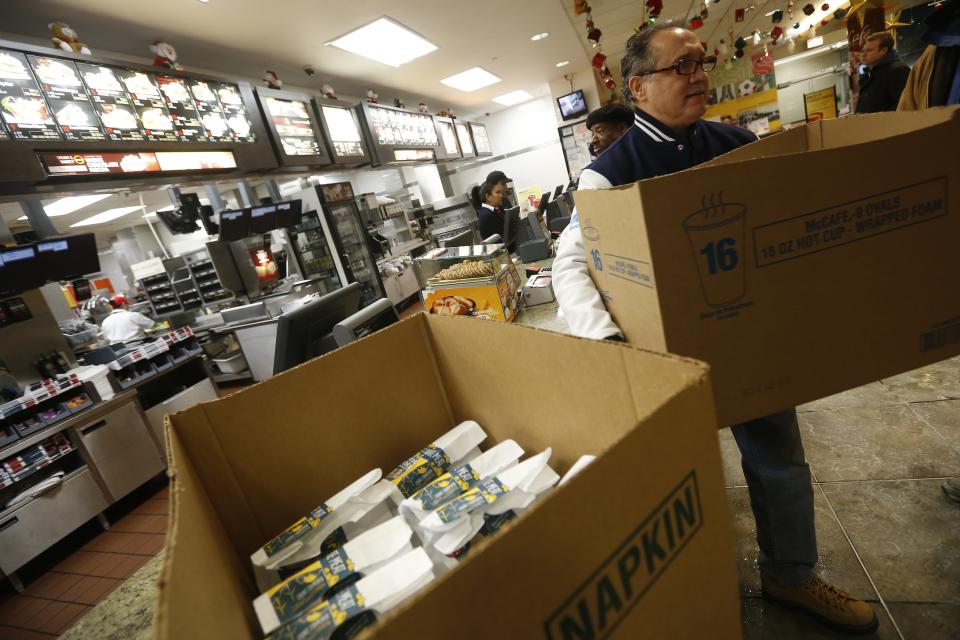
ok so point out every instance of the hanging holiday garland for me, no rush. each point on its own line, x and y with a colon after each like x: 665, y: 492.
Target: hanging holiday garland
x: 580, y: 7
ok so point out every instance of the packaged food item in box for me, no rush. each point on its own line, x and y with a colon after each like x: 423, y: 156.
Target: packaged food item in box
x: 306, y: 530
x: 333, y: 572
x: 491, y: 297
x: 452, y: 525
x: 431, y: 462
x: 460, y: 479
x: 358, y: 605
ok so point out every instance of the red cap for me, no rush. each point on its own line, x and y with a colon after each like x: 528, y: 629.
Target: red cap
x: 119, y: 301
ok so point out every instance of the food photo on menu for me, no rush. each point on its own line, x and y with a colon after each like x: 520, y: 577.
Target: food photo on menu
x: 11, y: 68
x: 55, y: 72
x: 100, y: 79
x: 73, y: 114
x: 202, y: 92
x: 139, y: 163
x: 156, y: 119
x: 229, y: 96
x: 139, y: 85
x: 117, y: 117
x: 239, y: 125
x: 24, y: 110
x: 175, y: 90
x: 215, y: 125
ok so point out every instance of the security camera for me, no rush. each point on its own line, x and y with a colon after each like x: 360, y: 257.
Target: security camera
x: 310, y: 70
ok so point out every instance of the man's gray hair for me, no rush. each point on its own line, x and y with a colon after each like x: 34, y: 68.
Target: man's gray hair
x: 639, y: 57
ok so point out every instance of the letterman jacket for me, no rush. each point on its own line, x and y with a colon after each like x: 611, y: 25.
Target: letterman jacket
x: 649, y: 149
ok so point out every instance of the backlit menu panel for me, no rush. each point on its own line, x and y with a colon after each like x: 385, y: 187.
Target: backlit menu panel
x: 149, y: 105
x: 67, y: 98
x: 449, y: 138
x: 111, y: 102
x: 233, y: 110
x: 22, y: 106
x: 393, y: 128
x: 463, y: 135
x: 294, y: 129
x: 182, y: 108
x: 480, y: 139
x: 211, y: 115
x: 344, y: 131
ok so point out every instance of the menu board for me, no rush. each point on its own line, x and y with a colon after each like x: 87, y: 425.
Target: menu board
x: 182, y: 108
x: 21, y: 103
x: 293, y: 126
x: 449, y: 138
x: 211, y: 115
x: 463, y: 134
x: 111, y: 102
x: 233, y: 110
x: 149, y: 105
x: 480, y: 138
x: 402, y: 128
x: 67, y: 98
x: 82, y: 163
x: 344, y: 132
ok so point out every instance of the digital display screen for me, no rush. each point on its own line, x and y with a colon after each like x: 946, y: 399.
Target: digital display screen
x: 572, y: 105
x: 263, y: 219
x: 80, y: 164
x: 182, y: 108
x: 289, y: 214
x: 448, y: 136
x: 211, y: 115
x: 67, y: 98
x: 344, y: 131
x: 463, y: 134
x: 111, y: 102
x: 22, y: 106
x: 480, y: 139
x: 407, y: 155
x: 234, y: 112
x: 149, y: 105
x: 397, y: 128
x: 294, y: 130
x: 234, y: 224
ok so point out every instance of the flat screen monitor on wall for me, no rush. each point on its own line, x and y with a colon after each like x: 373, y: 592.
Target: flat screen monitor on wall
x: 573, y: 105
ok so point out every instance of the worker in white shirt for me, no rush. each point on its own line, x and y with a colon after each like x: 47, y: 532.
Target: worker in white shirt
x: 123, y: 325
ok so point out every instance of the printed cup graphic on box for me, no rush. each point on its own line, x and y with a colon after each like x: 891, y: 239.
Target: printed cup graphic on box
x: 716, y: 233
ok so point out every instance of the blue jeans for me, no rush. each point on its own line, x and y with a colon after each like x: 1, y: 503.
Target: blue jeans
x: 780, y: 494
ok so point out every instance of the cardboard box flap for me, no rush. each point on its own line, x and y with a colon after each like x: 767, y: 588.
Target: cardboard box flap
x: 838, y: 132
x: 622, y: 264
x: 402, y: 407
x: 203, y: 589
x: 606, y: 383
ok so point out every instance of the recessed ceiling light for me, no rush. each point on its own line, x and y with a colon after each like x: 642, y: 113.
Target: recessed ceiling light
x: 471, y: 79
x: 106, y: 216
x: 385, y: 41
x: 67, y: 205
x: 539, y: 36
x: 563, y: 63
x: 514, y: 97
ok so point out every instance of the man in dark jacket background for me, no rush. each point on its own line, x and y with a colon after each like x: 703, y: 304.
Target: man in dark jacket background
x: 885, y: 78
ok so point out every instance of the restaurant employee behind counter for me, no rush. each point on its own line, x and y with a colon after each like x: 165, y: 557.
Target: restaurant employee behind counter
x: 490, y: 212
x: 123, y: 325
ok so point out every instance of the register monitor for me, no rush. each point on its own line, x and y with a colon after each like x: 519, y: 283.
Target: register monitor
x: 375, y: 316
x: 511, y: 222
x: 306, y: 332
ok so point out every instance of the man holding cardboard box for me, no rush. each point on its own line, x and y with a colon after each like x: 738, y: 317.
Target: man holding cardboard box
x: 664, y: 70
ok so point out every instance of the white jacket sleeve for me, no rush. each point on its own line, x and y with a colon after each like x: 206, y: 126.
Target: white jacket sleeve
x: 578, y: 297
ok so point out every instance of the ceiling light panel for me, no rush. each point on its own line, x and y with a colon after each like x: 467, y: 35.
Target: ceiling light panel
x: 514, y: 97
x: 471, y: 79
x: 106, y: 216
x: 563, y: 63
x: 385, y: 41
x: 539, y: 36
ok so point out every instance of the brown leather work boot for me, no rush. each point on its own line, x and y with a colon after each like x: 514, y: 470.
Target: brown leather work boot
x: 833, y: 607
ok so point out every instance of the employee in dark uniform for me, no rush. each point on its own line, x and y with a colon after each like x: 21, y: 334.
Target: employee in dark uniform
x: 664, y: 71
x: 490, y: 212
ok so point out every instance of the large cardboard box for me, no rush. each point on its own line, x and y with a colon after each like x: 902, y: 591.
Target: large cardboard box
x: 637, y: 545
x: 810, y: 262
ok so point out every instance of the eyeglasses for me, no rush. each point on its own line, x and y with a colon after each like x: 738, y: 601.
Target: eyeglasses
x: 687, y: 67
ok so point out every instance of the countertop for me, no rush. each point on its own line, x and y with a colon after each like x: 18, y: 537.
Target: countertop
x: 128, y: 611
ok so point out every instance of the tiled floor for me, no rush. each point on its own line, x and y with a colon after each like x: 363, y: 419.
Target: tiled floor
x: 67, y: 581
x: 885, y: 530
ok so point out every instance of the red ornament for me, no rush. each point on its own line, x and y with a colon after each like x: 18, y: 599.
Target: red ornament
x: 594, y: 35
x: 808, y: 9
x: 655, y: 7
x: 696, y: 23
x: 825, y: 22
x: 825, y: 7
x: 738, y: 15
x: 739, y: 53
x: 776, y: 33
x: 610, y: 83
x: 598, y: 60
